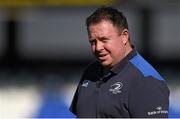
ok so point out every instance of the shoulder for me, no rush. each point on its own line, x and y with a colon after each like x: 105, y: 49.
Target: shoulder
x: 144, y: 77
x: 144, y: 67
x: 92, y: 67
x: 91, y: 71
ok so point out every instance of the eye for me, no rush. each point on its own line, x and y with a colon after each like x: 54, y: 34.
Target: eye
x: 92, y: 42
x: 105, y: 40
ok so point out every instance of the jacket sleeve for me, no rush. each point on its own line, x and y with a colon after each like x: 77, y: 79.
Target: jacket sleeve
x: 73, y: 106
x: 74, y: 103
x: 149, y: 98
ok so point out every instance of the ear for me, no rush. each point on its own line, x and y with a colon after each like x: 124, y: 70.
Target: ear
x: 125, y: 36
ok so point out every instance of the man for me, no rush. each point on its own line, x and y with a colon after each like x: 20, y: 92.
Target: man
x: 120, y: 83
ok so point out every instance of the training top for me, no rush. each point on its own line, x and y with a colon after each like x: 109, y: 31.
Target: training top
x: 131, y: 89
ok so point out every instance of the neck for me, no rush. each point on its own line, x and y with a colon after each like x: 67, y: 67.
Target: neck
x: 128, y: 49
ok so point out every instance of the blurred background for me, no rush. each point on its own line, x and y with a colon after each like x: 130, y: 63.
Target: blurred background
x: 44, y: 49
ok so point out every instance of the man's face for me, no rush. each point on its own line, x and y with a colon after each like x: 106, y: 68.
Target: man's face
x: 106, y: 43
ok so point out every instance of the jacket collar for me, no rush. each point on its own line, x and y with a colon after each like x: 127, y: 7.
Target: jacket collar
x: 119, y: 66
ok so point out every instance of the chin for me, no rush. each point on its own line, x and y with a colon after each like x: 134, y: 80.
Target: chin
x: 106, y: 64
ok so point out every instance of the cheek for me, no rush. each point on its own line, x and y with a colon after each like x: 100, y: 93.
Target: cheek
x: 117, y: 49
x: 93, y: 48
x: 108, y: 47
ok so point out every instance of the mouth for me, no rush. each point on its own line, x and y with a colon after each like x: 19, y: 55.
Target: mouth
x: 102, y: 57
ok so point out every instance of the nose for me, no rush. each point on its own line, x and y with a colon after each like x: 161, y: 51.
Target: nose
x: 99, y: 46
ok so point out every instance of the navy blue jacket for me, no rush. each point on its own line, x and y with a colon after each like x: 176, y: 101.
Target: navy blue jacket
x: 132, y: 88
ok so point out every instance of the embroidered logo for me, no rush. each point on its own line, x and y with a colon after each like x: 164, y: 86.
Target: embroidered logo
x: 158, y: 110
x: 115, y: 88
x: 85, y: 83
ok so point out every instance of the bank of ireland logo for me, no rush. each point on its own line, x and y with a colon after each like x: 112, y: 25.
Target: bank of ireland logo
x: 116, y: 88
x: 158, y: 110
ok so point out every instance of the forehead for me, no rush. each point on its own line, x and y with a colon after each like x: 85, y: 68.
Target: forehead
x: 102, y: 28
